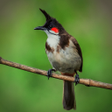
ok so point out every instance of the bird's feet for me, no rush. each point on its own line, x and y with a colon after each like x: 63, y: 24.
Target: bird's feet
x: 76, y: 79
x: 49, y: 73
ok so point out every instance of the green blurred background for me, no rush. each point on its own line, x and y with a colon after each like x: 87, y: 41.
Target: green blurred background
x: 89, y: 21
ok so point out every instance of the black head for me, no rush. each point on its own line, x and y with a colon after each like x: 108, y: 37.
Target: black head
x: 51, y: 25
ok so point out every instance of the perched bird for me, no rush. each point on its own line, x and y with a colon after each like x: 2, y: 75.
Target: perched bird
x: 64, y: 54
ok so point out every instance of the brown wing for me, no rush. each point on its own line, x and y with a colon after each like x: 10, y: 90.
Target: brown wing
x: 78, y: 50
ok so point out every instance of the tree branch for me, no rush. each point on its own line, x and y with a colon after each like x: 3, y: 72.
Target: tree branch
x: 87, y: 82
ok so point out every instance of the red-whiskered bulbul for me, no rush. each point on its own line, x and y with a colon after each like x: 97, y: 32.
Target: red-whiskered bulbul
x: 64, y: 54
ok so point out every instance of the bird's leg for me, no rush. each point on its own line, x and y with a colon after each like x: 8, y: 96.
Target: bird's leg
x: 49, y: 73
x: 76, y: 78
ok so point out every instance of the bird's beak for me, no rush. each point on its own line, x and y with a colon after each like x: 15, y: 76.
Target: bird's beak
x: 40, y: 28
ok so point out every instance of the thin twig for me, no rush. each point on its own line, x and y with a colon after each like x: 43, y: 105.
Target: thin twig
x: 87, y: 82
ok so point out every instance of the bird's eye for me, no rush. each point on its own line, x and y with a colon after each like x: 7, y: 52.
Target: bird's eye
x: 50, y: 26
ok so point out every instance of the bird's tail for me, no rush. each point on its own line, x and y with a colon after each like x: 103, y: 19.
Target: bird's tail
x: 68, y: 95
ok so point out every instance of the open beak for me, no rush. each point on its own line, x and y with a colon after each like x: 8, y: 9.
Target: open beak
x: 40, y: 28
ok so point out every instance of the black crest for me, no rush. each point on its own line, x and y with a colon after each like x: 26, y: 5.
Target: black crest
x: 46, y: 15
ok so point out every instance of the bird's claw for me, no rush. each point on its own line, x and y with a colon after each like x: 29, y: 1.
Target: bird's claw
x: 49, y: 73
x: 77, y: 79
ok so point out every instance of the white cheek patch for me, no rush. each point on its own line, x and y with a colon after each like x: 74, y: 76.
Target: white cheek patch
x: 53, y: 39
x: 53, y: 32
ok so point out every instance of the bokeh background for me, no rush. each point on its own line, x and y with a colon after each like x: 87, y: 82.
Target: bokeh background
x: 89, y: 21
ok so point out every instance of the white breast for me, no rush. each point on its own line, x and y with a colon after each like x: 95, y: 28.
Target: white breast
x: 66, y: 60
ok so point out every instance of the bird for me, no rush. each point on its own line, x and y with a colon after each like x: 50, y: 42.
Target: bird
x: 64, y: 54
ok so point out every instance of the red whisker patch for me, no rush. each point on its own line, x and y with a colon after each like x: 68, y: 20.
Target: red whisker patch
x: 55, y: 29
